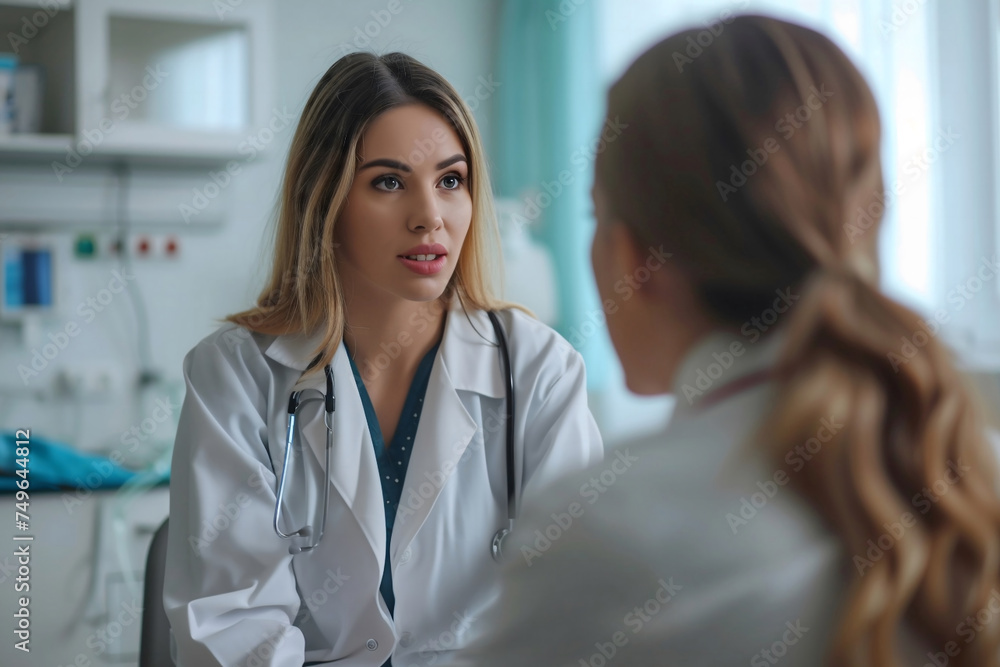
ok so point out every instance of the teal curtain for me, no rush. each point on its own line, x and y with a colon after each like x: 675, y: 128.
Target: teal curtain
x: 549, y: 110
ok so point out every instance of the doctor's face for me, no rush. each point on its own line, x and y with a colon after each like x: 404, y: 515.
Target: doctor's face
x: 408, y: 210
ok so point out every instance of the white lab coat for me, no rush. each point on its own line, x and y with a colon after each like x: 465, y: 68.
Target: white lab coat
x: 234, y: 595
x: 681, y: 548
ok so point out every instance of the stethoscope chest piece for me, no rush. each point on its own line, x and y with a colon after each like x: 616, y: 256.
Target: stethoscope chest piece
x: 498, y: 543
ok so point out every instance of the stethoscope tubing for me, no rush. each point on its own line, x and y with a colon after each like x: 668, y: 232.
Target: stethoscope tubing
x: 498, y: 539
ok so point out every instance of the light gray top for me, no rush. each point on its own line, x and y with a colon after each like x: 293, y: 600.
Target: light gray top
x: 683, y: 548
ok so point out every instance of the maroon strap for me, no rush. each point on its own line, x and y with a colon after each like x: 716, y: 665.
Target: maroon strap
x: 732, y: 388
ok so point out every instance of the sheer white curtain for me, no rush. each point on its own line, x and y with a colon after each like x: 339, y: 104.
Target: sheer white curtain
x: 892, y: 43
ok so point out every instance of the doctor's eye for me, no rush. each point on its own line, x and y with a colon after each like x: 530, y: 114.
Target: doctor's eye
x: 456, y: 179
x: 393, y: 183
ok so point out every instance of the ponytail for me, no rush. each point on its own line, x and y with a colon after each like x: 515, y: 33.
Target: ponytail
x: 908, y: 480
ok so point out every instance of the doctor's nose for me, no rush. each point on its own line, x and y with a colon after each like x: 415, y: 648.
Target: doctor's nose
x: 425, y: 215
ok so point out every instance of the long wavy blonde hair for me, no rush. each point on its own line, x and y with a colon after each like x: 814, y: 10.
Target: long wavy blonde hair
x: 756, y: 162
x: 304, y: 291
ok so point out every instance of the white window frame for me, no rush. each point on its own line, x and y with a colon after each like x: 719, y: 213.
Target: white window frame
x: 966, y: 177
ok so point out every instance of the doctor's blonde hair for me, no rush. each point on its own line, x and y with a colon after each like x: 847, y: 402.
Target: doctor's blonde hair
x: 304, y: 291
x: 757, y: 164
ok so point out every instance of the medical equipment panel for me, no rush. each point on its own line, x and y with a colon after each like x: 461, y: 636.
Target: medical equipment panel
x: 27, y: 278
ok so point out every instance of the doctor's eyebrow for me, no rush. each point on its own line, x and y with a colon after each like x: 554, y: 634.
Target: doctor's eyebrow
x: 402, y: 166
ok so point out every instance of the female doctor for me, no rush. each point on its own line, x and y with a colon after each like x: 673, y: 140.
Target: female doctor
x: 378, y: 298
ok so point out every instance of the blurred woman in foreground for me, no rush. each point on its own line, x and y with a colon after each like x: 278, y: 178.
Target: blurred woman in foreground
x: 825, y: 492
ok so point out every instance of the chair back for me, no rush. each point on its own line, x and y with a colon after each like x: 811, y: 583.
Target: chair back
x: 154, y: 646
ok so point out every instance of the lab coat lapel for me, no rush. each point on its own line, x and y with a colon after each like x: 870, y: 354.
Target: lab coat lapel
x: 444, y: 431
x: 466, y: 368
x: 466, y: 365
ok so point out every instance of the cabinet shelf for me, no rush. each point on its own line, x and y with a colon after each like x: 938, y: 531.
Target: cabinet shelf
x: 144, y: 81
x: 189, y: 150
x: 39, y: 145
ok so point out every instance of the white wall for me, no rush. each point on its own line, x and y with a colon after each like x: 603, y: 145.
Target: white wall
x: 221, y: 268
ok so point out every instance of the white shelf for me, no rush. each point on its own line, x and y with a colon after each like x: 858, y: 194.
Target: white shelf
x: 34, y: 4
x: 188, y: 148
x: 41, y: 144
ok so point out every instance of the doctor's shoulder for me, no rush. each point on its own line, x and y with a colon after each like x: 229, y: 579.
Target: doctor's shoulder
x: 232, y: 342
x: 537, y: 348
x: 231, y: 355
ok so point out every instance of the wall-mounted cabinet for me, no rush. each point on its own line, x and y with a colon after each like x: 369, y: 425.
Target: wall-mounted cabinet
x: 177, y: 80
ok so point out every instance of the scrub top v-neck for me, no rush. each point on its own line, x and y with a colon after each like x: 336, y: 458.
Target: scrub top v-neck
x: 394, y: 459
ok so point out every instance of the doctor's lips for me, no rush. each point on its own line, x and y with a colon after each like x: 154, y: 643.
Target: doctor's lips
x: 425, y: 259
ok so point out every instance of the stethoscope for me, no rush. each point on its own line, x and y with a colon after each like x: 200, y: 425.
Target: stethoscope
x: 297, y: 398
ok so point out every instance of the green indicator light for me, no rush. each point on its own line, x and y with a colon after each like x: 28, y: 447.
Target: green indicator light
x: 85, y: 246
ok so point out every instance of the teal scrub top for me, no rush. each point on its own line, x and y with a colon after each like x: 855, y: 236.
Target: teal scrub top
x: 394, y: 459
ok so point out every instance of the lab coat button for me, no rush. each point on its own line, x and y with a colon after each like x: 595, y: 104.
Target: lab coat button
x: 406, y: 556
x: 405, y: 640
x: 372, y: 644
